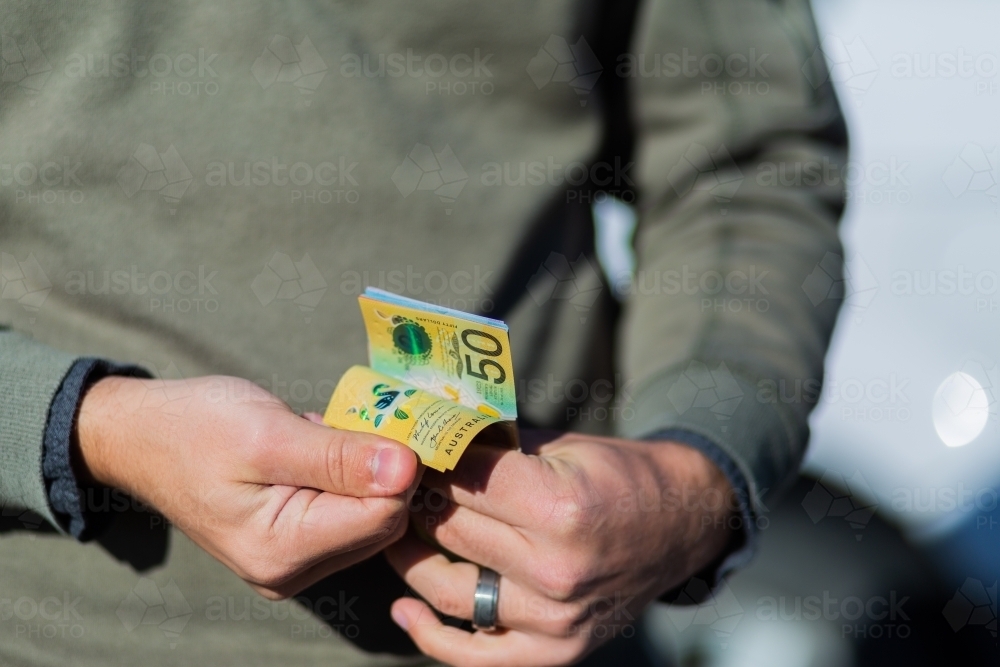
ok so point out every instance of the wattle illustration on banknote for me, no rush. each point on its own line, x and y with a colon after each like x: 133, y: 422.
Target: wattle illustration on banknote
x: 439, y: 379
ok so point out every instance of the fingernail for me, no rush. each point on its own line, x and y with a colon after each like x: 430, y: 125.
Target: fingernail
x: 401, y: 619
x: 387, y: 467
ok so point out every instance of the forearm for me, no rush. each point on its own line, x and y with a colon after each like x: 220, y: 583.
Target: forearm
x: 719, y: 316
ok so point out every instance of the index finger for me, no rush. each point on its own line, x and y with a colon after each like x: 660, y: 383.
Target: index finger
x: 499, y: 483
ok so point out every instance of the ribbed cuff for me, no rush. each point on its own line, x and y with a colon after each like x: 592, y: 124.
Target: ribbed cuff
x: 66, y: 495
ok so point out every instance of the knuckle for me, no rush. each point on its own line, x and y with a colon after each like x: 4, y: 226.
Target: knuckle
x: 334, y: 460
x: 348, y: 461
x: 569, y: 514
x: 563, y: 579
x: 395, y: 530
x: 401, y: 525
x: 572, y: 511
x: 263, y: 566
x: 391, y: 511
x: 460, y: 539
x: 264, y: 436
x: 448, y: 601
x: 388, y: 517
x: 266, y: 574
x: 245, y: 391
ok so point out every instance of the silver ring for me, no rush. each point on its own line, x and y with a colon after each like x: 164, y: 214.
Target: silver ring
x: 485, y: 601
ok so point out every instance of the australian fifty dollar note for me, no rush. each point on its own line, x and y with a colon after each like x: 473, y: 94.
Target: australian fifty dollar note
x: 439, y: 378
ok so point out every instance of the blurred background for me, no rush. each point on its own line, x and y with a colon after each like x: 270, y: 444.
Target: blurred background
x: 887, y: 551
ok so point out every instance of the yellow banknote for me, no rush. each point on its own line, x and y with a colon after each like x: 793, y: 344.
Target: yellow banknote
x: 437, y: 430
x: 457, y: 356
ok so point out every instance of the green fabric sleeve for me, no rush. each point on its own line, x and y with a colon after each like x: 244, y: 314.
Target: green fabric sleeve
x: 30, y: 375
x: 740, y: 171
x: 719, y: 404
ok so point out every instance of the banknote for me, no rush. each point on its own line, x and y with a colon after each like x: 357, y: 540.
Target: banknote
x: 438, y: 430
x: 457, y: 356
x: 439, y: 379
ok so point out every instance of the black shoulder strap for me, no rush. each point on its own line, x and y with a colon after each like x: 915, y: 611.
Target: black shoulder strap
x: 565, y: 225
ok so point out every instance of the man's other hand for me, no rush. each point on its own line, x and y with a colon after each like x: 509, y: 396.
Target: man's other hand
x: 584, y: 535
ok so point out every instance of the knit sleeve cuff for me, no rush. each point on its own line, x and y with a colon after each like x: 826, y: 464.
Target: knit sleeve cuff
x: 67, y: 497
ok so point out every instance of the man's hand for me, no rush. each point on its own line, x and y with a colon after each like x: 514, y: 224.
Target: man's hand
x: 280, y: 500
x: 584, y: 536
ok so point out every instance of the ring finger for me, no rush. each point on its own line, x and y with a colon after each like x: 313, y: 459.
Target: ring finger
x: 450, y: 587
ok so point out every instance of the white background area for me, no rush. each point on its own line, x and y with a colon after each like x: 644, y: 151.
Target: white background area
x: 924, y: 120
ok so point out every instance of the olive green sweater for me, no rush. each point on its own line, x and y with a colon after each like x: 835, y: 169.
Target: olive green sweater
x: 206, y: 187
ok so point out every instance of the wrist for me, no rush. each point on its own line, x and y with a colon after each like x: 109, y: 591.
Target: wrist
x: 705, y: 500
x: 101, y: 412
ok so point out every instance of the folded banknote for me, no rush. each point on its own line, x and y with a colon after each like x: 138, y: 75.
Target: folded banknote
x: 439, y: 379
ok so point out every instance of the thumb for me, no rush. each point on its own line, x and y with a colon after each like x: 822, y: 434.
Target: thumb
x: 314, y: 417
x: 305, y: 454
